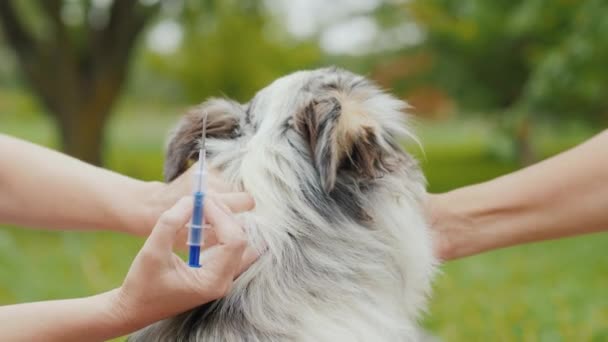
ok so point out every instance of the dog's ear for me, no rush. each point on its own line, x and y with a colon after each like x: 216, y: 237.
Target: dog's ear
x: 223, y: 122
x: 342, y: 138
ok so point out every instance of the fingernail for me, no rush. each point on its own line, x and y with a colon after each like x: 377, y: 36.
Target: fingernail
x: 247, y: 197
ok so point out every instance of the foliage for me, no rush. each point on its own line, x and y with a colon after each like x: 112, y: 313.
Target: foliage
x: 519, y: 62
x: 232, y: 47
x: 543, y: 57
x: 571, y: 78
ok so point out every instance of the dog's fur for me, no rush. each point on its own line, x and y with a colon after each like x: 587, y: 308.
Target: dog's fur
x: 338, y: 209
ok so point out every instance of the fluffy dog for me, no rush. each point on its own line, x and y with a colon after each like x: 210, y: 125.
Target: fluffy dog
x: 338, y: 209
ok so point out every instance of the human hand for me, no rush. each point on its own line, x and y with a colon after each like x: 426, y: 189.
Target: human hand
x: 450, y: 231
x: 161, y: 196
x: 183, y: 185
x: 159, y: 284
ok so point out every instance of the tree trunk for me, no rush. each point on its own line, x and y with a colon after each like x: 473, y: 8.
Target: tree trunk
x: 83, y: 115
x: 82, y: 135
x: 77, y: 76
x: 523, y: 135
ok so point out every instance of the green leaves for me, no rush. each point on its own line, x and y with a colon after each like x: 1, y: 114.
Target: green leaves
x: 545, y: 56
x: 233, y: 49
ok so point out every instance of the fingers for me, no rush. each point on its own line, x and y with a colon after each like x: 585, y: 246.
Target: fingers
x: 231, y: 242
x: 232, y: 255
x: 249, y: 256
x: 231, y: 202
x: 215, y: 183
x: 236, y: 201
x: 164, y: 234
x: 214, y: 180
x: 183, y: 183
x: 211, y: 255
x: 226, y: 227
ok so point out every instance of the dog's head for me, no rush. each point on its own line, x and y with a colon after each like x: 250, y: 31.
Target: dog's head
x: 328, y: 124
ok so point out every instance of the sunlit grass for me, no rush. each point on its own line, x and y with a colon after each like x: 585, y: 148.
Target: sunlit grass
x: 553, y: 291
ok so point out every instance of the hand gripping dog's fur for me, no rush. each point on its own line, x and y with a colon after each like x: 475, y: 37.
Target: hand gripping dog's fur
x: 348, y: 254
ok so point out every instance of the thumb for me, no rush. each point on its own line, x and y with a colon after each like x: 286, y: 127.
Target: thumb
x: 165, y: 231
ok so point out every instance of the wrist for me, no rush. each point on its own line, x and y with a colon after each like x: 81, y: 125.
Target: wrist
x: 111, y: 318
x: 118, y: 315
x: 155, y: 202
x: 471, y: 220
x: 145, y: 207
x: 454, y: 222
x: 438, y: 217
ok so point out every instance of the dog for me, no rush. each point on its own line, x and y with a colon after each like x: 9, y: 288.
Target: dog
x: 347, y: 252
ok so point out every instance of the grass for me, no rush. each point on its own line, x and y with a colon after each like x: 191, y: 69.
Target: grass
x: 552, y: 291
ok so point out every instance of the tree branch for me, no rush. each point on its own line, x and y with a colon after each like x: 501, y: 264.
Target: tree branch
x: 64, y: 52
x: 117, y: 40
x: 127, y: 19
x: 15, y: 32
x: 105, y: 63
x: 30, y: 55
x: 52, y: 9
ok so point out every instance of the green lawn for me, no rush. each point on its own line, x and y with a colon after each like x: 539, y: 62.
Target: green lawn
x: 553, y: 291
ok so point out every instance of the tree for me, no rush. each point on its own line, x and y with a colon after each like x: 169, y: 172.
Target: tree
x: 521, y: 61
x: 231, y: 48
x: 76, y: 64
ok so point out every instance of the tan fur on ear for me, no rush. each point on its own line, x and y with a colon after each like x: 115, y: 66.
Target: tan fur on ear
x: 222, y: 123
x: 342, y: 136
x: 354, y: 122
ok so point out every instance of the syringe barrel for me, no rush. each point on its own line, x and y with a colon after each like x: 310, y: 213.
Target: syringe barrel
x: 195, y: 233
x: 194, y: 256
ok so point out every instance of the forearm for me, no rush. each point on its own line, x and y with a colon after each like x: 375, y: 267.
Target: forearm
x: 82, y: 319
x: 562, y: 196
x: 158, y: 285
x: 43, y: 188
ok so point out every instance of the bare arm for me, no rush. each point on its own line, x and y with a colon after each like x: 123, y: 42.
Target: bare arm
x: 63, y: 320
x: 159, y: 285
x: 562, y: 196
x: 43, y: 188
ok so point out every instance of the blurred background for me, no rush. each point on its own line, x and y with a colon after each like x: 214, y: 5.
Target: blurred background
x: 495, y: 85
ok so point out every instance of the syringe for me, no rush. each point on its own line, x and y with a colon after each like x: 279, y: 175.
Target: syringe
x: 195, y: 233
